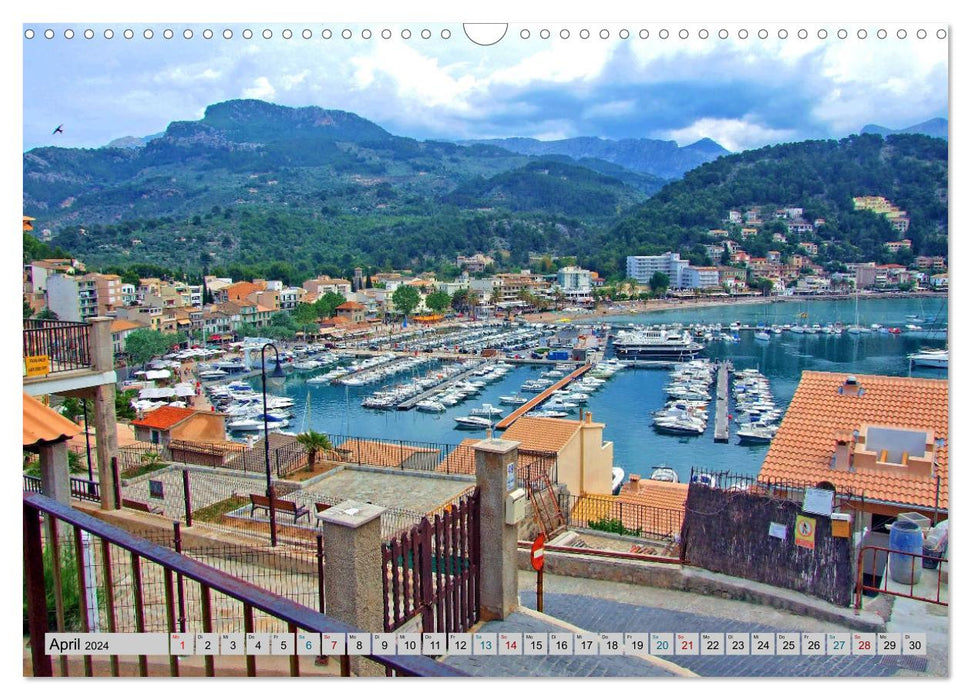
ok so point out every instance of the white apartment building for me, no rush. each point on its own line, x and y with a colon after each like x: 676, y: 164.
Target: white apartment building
x: 699, y: 277
x: 575, y: 282
x: 72, y: 298
x: 642, y: 267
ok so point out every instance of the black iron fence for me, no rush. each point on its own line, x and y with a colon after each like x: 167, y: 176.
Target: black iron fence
x: 614, y: 516
x: 781, y: 489
x: 65, y: 344
x: 98, y: 577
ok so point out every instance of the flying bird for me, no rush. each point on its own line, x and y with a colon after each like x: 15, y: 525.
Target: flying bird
x: 58, y: 130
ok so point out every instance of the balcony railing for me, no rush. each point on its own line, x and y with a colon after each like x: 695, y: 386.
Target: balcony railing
x: 65, y: 344
x: 142, y: 562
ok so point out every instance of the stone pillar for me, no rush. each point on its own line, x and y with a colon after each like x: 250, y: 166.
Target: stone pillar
x: 54, y: 480
x: 498, y: 570
x: 105, y: 425
x: 353, y: 571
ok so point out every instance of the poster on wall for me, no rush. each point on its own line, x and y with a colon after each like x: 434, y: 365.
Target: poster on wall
x: 806, y: 532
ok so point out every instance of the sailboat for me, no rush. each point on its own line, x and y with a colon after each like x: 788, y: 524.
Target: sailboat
x: 856, y: 328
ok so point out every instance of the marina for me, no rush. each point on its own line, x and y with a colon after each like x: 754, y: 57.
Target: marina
x: 627, y: 403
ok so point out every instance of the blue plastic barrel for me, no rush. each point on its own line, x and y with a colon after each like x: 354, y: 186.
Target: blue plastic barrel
x: 906, y: 536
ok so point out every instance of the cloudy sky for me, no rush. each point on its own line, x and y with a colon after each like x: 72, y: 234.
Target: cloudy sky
x: 742, y: 93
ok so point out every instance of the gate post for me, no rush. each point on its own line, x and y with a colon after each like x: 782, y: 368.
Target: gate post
x: 498, y: 569
x: 354, y: 571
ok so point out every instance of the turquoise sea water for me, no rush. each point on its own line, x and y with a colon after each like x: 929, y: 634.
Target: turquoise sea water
x: 626, y: 401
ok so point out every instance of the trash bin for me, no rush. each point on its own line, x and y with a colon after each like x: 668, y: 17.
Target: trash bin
x: 935, y: 546
x: 905, y: 536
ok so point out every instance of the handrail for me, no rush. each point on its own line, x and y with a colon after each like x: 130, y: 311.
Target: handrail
x: 271, y: 603
x: 860, y: 586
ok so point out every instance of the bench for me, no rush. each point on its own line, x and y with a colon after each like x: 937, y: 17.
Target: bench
x: 279, y: 505
x: 143, y: 507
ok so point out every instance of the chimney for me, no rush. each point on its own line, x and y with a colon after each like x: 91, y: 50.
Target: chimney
x: 635, y: 484
x: 843, y: 456
x: 588, y: 417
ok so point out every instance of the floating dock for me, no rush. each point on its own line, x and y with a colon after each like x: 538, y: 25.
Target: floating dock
x: 541, y: 397
x: 413, y: 401
x: 721, y: 402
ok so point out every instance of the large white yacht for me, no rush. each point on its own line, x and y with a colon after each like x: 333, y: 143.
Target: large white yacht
x: 656, y: 344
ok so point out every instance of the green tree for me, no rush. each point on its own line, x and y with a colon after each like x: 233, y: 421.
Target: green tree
x: 314, y: 442
x: 438, y: 301
x: 28, y: 312
x: 46, y: 314
x: 123, y: 407
x: 144, y: 344
x: 659, y: 283
x: 496, y: 296
x: 406, y: 299
x: 327, y: 304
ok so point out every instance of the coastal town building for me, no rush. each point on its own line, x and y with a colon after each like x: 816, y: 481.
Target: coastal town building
x: 168, y: 423
x: 71, y: 297
x: 353, y: 311
x: 120, y: 329
x: 319, y: 286
x: 474, y: 263
x: 584, y: 462
x: 642, y: 267
x: 700, y: 277
x: 883, y: 437
x: 895, y: 246
x: 575, y: 283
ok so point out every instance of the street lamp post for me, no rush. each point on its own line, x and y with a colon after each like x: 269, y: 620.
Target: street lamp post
x: 276, y: 374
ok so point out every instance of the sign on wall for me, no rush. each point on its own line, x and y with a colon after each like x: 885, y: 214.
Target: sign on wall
x: 806, y: 532
x: 510, y: 476
x: 818, y: 502
x: 37, y: 365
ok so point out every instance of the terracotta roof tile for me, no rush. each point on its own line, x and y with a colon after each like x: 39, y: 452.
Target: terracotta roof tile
x: 803, y: 449
x: 656, y: 494
x: 379, y: 454
x: 43, y: 424
x: 461, y: 460
x: 164, y: 418
x: 542, y: 434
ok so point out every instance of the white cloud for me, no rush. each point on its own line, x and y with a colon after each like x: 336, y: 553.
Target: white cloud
x: 733, y: 134
x: 262, y: 89
x: 610, y: 110
x: 288, y: 82
x: 563, y: 62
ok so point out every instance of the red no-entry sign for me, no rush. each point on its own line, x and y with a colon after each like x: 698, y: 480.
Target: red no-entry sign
x: 536, y: 552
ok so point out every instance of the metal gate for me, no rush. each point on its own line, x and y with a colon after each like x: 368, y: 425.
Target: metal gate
x: 546, y: 508
x: 431, y: 572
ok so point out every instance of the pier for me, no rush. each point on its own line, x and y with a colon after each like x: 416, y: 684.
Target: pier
x: 541, y: 397
x: 413, y: 401
x: 721, y: 402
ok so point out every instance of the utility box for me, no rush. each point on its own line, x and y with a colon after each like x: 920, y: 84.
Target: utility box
x: 840, y: 523
x: 515, y: 507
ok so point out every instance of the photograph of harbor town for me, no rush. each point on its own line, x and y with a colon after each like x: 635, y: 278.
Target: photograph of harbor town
x: 556, y: 350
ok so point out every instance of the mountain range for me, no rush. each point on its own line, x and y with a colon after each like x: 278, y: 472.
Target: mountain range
x: 936, y: 128
x: 254, y: 184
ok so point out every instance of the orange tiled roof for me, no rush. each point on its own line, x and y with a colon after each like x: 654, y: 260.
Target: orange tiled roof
x: 240, y: 290
x: 350, y: 305
x: 164, y: 418
x: 803, y: 448
x: 43, y: 424
x: 379, y: 454
x: 550, y: 434
x: 656, y: 494
x: 462, y: 461
x: 121, y: 324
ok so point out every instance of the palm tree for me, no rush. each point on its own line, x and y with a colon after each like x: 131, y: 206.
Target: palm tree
x: 314, y: 442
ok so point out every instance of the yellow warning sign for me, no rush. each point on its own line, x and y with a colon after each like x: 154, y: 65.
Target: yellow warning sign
x: 37, y: 365
x: 806, y: 532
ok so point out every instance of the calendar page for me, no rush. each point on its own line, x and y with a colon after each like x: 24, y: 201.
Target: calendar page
x: 502, y: 349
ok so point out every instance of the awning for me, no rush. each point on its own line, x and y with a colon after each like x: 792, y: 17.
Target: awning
x: 45, y: 425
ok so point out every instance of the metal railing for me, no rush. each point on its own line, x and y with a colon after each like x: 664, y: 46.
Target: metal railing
x: 611, y: 515
x: 66, y: 344
x: 783, y: 489
x: 916, y: 565
x: 85, y: 490
x: 142, y: 561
